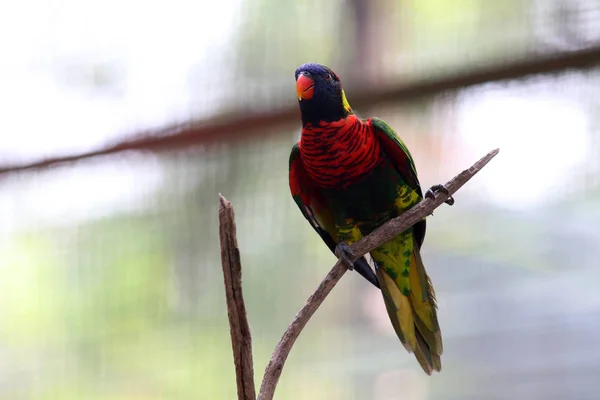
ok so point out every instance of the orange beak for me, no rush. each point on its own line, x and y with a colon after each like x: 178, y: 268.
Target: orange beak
x: 305, y: 87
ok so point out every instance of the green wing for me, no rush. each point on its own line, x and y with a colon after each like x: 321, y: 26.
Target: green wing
x: 395, y: 148
x: 402, y: 160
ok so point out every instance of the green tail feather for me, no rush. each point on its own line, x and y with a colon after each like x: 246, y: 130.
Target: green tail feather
x: 410, y: 300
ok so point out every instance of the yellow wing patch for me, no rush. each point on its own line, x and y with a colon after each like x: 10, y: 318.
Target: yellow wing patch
x: 348, y: 232
x: 407, y: 198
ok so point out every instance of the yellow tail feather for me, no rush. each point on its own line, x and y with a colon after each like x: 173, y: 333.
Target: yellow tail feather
x: 399, y: 310
x: 424, y: 304
x: 414, y: 317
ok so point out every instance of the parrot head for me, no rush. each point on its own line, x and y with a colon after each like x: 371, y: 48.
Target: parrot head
x: 320, y: 94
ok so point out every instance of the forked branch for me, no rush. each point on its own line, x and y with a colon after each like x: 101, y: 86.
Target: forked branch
x: 360, y: 248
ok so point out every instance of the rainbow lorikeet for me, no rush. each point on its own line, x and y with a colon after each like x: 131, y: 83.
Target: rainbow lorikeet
x: 349, y: 176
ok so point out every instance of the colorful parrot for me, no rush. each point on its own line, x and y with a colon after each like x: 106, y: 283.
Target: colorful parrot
x: 349, y: 176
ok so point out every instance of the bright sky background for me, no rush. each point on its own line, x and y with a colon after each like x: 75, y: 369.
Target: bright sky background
x: 46, y: 108
x: 543, y: 134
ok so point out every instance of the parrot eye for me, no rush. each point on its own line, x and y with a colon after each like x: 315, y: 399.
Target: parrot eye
x: 328, y: 77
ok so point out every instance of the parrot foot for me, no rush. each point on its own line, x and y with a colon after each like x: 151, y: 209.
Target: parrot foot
x: 442, y: 189
x: 346, y: 254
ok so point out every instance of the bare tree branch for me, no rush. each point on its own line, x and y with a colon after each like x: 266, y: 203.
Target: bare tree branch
x: 241, y: 340
x: 363, y: 246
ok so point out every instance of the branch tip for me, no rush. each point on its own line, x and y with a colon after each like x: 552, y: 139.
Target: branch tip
x: 241, y: 339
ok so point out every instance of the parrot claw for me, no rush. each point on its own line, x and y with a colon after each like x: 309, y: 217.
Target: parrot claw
x: 442, y: 189
x: 346, y: 254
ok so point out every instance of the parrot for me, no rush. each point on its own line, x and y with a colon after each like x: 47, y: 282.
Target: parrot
x: 349, y: 175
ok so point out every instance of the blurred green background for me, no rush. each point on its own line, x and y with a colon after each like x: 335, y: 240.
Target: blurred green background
x: 110, y: 277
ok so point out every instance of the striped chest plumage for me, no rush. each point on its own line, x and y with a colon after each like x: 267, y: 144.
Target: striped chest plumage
x: 337, y: 154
